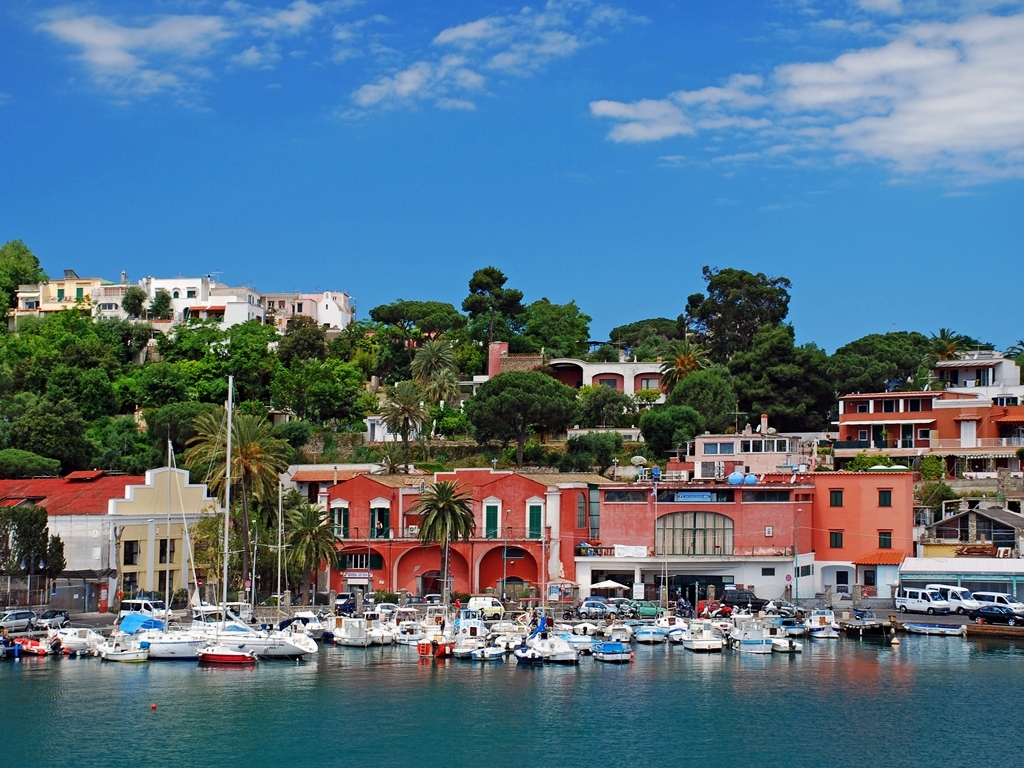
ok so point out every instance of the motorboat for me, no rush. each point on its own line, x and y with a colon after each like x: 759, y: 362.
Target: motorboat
x: 378, y: 630
x: 585, y: 628
x: 409, y: 632
x: 554, y: 648
x: 175, y: 645
x: 471, y: 629
x: 314, y: 626
x: 669, y: 622
x: 821, y: 624
x: 702, y: 635
x: 436, y: 645
x: 785, y: 644
x: 125, y: 648
x: 582, y: 643
x: 948, y: 630
x: 528, y: 657
x: 676, y: 635
x: 791, y: 626
x: 649, y: 635
x: 617, y: 632
x: 30, y: 647
x: 488, y: 653
x: 291, y: 642
x: 750, y: 636
x: 509, y: 642
x: 614, y: 653
x: 76, y: 641
x: 221, y: 654
x: 353, y: 633
x: 465, y: 646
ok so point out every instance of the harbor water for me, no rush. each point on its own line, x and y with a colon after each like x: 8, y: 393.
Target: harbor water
x: 927, y: 701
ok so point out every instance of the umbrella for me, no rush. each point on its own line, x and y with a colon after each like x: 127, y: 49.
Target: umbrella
x: 608, y: 584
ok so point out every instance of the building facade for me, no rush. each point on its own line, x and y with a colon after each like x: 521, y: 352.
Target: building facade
x: 331, y: 310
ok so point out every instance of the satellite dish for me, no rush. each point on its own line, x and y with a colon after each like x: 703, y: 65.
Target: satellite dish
x: 792, y: 478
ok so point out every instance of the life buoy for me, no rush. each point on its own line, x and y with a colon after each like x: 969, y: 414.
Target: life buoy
x: 120, y: 594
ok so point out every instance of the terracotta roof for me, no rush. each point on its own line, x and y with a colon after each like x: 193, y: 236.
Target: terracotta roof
x: 967, y: 417
x: 219, y: 308
x: 86, y: 474
x: 555, y: 478
x: 324, y: 475
x: 881, y: 557
x: 67, y: 496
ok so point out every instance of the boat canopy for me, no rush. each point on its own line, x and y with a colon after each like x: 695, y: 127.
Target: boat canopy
x: 134, y: 622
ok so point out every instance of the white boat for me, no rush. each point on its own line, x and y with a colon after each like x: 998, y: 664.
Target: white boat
x: 582, y: 643
x: 352, y: 633
x: 314, y: 627
x: 949, y: 630
x: 509, y: 642
x: 553, y: 648
x: 221, y: 654
x: 471, y: 629
x: 289, y: 643
x: 649, y: 635
x: 76, y: 641
x: 749, y: 636
x: 465, y: 646
x: 702, y: 635
x: 409, y: 632
x: 791, y: 626
x: 378, y: 630
x: 668, y: 622
x: 617, y: 632
x: 822, y: 625
x: 786, y: 644
x: 488, y: 653
x: 528, y: 657
x: 676, y: 635
x: 585, y: 628
x: 616, y: 653
x: 175, y: 645
x: 121, y: 647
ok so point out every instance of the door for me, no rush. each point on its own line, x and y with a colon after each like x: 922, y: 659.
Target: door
x: 534, y: 523
x: 491, y: 521
x: 968, y: 434
x: 380, y: 522
x: 907, y: 436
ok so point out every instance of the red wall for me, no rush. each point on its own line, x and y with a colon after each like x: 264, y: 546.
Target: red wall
x: 860, y: 518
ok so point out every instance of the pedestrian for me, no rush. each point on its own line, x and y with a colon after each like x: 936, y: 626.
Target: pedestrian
x: 458, y: 603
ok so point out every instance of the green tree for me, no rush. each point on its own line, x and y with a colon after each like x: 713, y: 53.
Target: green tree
x: 174, y: 422
x: 737, y: 304
x: 931, y: 494
x: 681, y: 359
x: 15, y: 463
x: 161, y: 383
x: 863, y: 461
x: 933, y: 468
x: 30, y: 538
x: 710, y: 394
x: 134, y: 301
x: 787, y: 382
x: 561, y: 330
x: 296, y: 432
x: 875, y: 362
x: 120, y: 445
x: 124, y: 339
x: 311, y: 542
x: 582, y: 452
x: 303, y: 340
x: 54, y: 563
x: 257, y: 459
x: 668, y: 427
x: 488, y: 297
x: 318, y: 390
x: 18, y: 266
x: 53, y: 430
x: 250, y: 360
x: 511, y: 404
x: 446, y: 515
x: 404, y: 412
x: 161, y: 308
x: 90, y: 390
x: 634, y: 334
x: 602, y: 406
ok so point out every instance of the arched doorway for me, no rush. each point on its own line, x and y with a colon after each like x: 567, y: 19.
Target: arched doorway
x: 418, y: 571
x: 518, y: 566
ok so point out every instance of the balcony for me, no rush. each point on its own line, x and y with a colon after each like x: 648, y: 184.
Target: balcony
x: 980, y: 442
x: 411, y: 533
x: 882, y: 445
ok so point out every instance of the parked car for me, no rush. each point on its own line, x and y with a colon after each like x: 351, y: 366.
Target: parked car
x: 619, y: 605
x: 346, y: 607
x: 999, y: 598
x: 991, y: 613
x: 412, y: 601
x: 489, y: 606
x: 592, y: 609
x: 645, y: 609
x: 53, y: 619
x: 960, y: 599
x: 21, y: 620
x: 432, y: 599
x: 917, y: 600
x: 743, y: 598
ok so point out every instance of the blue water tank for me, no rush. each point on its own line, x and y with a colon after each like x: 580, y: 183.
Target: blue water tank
x: 750, y: 479
x: 735, y: 477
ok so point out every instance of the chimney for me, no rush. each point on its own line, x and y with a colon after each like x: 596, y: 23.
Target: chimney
x: 496, y: 351
x: 124, y: 277
x: 764, y: 423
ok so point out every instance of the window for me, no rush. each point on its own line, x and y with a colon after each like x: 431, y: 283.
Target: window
x: 280, y: 305
x: 806, y: 570
x: 842, y: 578
x: 869, y: 578
x: 726, y: 448
x: 190, y: 293
x: 924, y: 434
x: 862, y: 434
x: 491, y: 521
x: 862, y: 408
x: 363, y: 561
x: 339, y: 521
x: 708, y: 469
x: 534, y: 514
x: 760, y: 496
x: 835, y: 498
x: 835, y: 539
x: 619, y: 497
x: 131, y: 553
x: 694, y: 533
x: 380, y: 523
x: 594, y: 512
x: 914, y: 404
x: 710, y: 449
x: 888, y: 406
x: 78, y: 294
x: 1004, y: 401
x: 176, y: 295
x: 514, y: 553
x: 608, y: 383
x: 650, y: 383
x: 691, y: 497
x: 60, y: 294
x: 298, y: 307
x: 130, y: 583
x: 983, y: 377
x: 885, y: 539
x: 767, y: 571
x: 885, y: 498
x: 166, y: 546
x: 581, y: 511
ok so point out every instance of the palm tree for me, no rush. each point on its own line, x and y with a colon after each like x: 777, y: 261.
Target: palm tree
x: 257, y: 459
x: 404, y: 412
x: 436, y: 369
x: 311, y: 542
x: 1015, y: 350
x: 947, y: 343
x: 681, y: 359
x: 446, y: 515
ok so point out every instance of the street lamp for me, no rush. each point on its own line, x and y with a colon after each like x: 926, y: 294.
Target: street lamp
x: 615, y: 469
x: 504, y: 560
x: 796, y: 556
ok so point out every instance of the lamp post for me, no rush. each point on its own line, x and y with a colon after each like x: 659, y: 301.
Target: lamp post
x: 796, y: 556
x: 504, y: 559
x: 615, y: 469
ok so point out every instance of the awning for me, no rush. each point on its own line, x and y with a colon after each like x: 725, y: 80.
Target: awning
x: 1010, y: 419
x: 881, y: 557
x: 194, y: 310
x: 608, y: 584
x: 885, y: 423
x: 215, y: 309
x: 967, y: 417
x: 990, y: 363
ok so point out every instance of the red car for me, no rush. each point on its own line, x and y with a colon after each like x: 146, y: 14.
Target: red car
x: 708, y: 607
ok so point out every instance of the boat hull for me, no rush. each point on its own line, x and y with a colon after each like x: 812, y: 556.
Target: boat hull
x: 698, y: 645
x: 936, y: 629
x: 786, y: 645
x: 224, y: 656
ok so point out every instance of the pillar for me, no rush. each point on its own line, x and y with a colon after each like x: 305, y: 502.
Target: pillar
x: 150, y: 556
x: 552, y: 523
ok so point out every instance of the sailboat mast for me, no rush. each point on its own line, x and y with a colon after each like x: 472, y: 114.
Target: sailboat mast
x: 227, y: 489
x: 167, y: 550
x: 280, y: 539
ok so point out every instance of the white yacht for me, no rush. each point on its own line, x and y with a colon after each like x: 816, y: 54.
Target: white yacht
x: 749, y: 636
x: 821, y: 624
x: 702, y: 636
x: 353, y: 632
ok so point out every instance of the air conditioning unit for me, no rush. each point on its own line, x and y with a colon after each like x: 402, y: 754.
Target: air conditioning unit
x: 413, y: 530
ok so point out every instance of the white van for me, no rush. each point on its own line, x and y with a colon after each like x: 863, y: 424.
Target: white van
x: 999, y: 598
x: 960, y: 599
x: 154, y: 608
x: 917, y: 600
x: 488, y: 606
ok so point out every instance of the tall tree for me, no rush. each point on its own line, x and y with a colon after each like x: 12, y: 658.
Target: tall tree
x: 736, y: 305
x: 160, y: 308
x: 53, y: 430
x: 681, y: 359
x: 668, y: 427
x: 709, y: 393
x: 878, y: 362
x: 134, y: 301
x: 489, y: 297
x: 635, y: 333
x: 435, y: 368
x: 560, y: 329
x: 446, y: 515
x: 257, y: 459
x: 512, y: 403
x: 311, y: 542
x: 602, y: 406
x: 303, y: 340
x: 18, y: 266
x: 405, y: 412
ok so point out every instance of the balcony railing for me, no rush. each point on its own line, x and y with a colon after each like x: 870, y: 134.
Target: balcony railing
x: 980, y: 442
x: 411, y: 532
x: 882, y: 445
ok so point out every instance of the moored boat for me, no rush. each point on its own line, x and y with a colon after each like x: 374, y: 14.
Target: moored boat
x: 649, y: 635
x: 750, y: 636
x: 528, y: 657
x: 221, y: 654
x: 488, y: 653
x: 613, y: 653
x: 123, y: 648
x: 702, y: 636
x: 786, y: 645
x: 821, y: 624
x: 30, y: 647
x: 946, y: 630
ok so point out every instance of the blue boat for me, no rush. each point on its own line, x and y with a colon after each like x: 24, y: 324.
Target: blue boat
x: 614, y: 653
x: 649, y: 634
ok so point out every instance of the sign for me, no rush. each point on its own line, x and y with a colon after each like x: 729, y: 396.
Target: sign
x: 698, y: 496
x: 638, y: 591
x: 248, y: 584
x: 621, y: 550
x: 789, y: 577
x: 199, y: 582
x: 356, y: 574
x: 656, y: 474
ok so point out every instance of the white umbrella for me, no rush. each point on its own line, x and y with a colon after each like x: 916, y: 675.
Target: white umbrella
x: 608, y: 584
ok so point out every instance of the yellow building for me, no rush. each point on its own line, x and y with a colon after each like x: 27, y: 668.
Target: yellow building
x: 91, y: 295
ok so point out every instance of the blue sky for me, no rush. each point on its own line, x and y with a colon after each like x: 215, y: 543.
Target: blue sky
x: 870, y: 151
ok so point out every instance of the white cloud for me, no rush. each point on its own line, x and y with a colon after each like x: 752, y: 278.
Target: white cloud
x: 892, y: 7
x: 940, y: 96
x: 422, y: 80
x: 255, y: 57
x: 291, y: 20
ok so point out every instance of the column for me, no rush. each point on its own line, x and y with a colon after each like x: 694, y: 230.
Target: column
x: 150, y: 556
x: 551, y: 521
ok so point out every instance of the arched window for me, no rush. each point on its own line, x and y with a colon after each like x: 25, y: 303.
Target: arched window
x: 694, y: 533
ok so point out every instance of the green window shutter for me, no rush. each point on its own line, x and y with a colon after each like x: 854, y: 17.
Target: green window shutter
x: 534, y: 521
x: 491, y: 521
x: 60, y: 294
x: 344, y: 522
x: 376, y: 562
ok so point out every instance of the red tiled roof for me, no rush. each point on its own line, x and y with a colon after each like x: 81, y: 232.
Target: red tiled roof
x: 86, y: 474
x: 324, y: 475
x: 67, y: 496
x: 881, y: 557
x: 967, y: 417
x: 216, y: 309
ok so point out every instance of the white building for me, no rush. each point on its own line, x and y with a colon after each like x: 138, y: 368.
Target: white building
x: 985, y: 374
x: 332, y: 310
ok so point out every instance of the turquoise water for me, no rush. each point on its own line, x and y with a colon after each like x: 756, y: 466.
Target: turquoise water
x: 928, y: 701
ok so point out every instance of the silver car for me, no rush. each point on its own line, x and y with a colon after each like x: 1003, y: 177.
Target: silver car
x: 21, y: 620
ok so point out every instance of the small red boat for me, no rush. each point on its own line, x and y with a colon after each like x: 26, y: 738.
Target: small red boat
x: 33, y: 647
x: 439, y: 650
x: 220, y: 654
